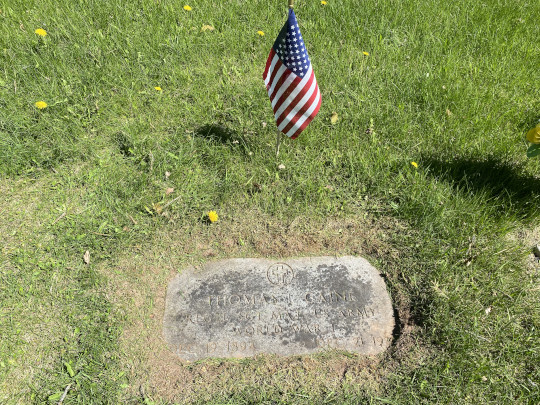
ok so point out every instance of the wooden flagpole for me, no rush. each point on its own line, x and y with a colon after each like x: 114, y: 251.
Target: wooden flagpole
x: 278, y: 138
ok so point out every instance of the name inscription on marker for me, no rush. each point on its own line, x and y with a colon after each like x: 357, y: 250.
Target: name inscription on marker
x: 244, y: 307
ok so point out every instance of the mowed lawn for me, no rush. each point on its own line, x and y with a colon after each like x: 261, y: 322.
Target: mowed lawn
x: 157, y: 115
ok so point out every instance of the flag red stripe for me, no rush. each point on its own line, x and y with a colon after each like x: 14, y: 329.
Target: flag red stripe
x: 297, y: 80
x: 271, y: 70
x: 281, y: 81
x: 308, y: 120
x: 268, y: 62
x: 291, y: 91
x: 283, y: 71
x: 301, y: 111
x: 296, y: 100
x: 274, y: 72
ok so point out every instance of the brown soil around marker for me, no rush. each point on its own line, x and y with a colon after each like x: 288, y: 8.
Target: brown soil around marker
x: 528, y: 238
x: 138, y: 282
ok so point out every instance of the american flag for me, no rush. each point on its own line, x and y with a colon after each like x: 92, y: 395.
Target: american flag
x: 290, y: 81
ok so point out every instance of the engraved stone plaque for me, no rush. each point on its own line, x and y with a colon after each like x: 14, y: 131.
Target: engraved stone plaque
x: 244, y: 307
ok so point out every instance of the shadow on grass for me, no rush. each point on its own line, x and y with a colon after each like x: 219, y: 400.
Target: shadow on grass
x: 517, y: 192
x: 217, y: 133
x: 220, y: 134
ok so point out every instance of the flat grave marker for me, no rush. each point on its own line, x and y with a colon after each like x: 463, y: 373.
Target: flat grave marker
x: 244, y: 307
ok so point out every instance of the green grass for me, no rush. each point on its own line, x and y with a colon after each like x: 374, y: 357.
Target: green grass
x: 452, y: 86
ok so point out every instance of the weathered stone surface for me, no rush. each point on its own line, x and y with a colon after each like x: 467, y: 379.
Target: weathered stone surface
x: 243, y: 307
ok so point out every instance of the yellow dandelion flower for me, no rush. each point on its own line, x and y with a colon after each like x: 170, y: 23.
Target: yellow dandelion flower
x: 41, y: 32
x: 324, y: 3
x: 41, y: 105
x: 157, y: 88
x: 187, y: 8
x: 533, y: 135
x: 213, y: 216
x: 260, y: 33
x: 415, y: 165
x: 366, y: 53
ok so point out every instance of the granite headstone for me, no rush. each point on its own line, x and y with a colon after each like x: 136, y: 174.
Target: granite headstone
x: 244, y: 307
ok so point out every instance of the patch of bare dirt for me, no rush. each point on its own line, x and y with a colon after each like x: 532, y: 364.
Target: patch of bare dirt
x: 138, y: 283
x: 529, y: 238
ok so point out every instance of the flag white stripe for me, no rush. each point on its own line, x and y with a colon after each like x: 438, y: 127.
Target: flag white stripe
x: 270, y: 70
x: 279, y: 73
x: 284, y: 86
x: 307, y: 114
x: 295, y: 92
x: 298, y: 106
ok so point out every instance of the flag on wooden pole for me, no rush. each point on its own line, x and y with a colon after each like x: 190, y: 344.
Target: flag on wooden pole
x: 290, y: 81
